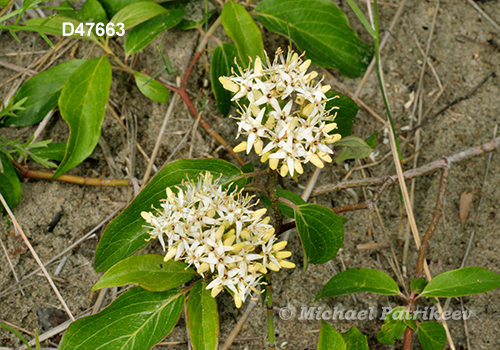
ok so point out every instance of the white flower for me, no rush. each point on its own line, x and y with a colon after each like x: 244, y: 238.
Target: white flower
x: 218, y: 233
x: 286, y: 116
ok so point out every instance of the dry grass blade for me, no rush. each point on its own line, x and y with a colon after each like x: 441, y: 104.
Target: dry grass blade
x: 465, y: 203
x: 35, y: 255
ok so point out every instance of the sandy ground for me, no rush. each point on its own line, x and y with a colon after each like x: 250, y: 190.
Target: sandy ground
x: 464, y: 49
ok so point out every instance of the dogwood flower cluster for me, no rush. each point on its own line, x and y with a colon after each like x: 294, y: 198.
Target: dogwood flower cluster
x: 217, y: 232
x: 286, y: 109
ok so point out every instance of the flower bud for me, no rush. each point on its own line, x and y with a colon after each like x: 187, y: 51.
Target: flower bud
x: 330, y: 127
x: 258, y: 66
x: 333, y: 138
x: 283, y: 255
x: 306, y: 111
x: 273, y: 267
x: 241, y: 147
x: 287, y: 264
x: 325, y: 88
x: 304, y: 66
x: 273, y: 163
x: 265, y: 157
x: 237, y: 301
x: 298, y: 166
x: 203, y: 267
x: 229, y: 85
x: 284, y: 170
x: 258, y: 144
x: 146, y: 216
x: 216, y: 290
x: 316, y: 161
x: 280, y: 245
x: 171, y: 253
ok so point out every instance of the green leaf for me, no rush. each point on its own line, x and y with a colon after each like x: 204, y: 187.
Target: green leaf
x: 126, y: 233
x: 196, y: 12
x: 54, y: 151
x: 372, y: 140
x: 82, y: 105
x: 330, y: 339
x: 222, y: 62
x: 240, y: 27
x: 113, y: 6
x: 319, y: 28
x: 137, y: 13
x: 202, y: 318
x: 461, y: 282
x: 355, y: 340
x: 359, y: 280
x: 148, y: 271
x: 10, y: 187
x: 4, y: 2
x: 362, y: 18
x: 92, y: 11
x: 143, y: 34
x: 354, y: 148
x: 286, y: 210
x: 394, y: 326
x: 55, y: 26
x: 321, y: 232
x: 153, y: 89
x: 418, y: 284
x: 431, y: 335
x: 42, y: 91
x: 10, y: 329
x: 137, y: 320
x: 346, y: 110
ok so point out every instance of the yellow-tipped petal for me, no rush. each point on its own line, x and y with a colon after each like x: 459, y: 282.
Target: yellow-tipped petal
x: 229, y: 241
x: 259, y: 212
x: 216, y: 290
x: 325, y: 88
x: 219, y: 233
x: 298, y: 166
x: 255, y: 110
x: 229, y: 85
x: 273, y: 163
x: 265, y: 157
x: 279, y: 245
x: 283, y: 255
x: 316, y: 161
x: 171, y: 253
x: 245, y: 234
x: 284, y: 170
x: 258, y: 145
x: 306, y: 111
x: 238, y: 247
x: 241, y: 147
x: 211, y: 213
x: 334, y: 138
x: 287, y: 264
x: 330, y: 127
x: 146, y: 216
x: 203, y: 267
x: 237, y: 301
x: 273, y: 267
x: 258, y: 66
x: 271, y: 122
x: 303, y: 67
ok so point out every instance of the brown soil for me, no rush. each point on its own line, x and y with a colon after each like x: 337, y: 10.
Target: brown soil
x: 464, y: 49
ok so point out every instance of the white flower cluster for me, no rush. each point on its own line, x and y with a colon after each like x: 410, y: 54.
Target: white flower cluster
x: 217, y: 232
x: 287, y: 108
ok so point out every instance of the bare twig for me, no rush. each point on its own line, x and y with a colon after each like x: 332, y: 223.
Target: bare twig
x: 239, y: 325
x: 11, y: 266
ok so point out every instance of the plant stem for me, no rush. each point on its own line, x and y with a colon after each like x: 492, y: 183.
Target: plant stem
x: 271, y: 186
x: 270, y: 319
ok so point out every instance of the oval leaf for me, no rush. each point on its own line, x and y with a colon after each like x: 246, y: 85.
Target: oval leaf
x: 202, y: 318
x: 321, y: 232
x: 394, y: 326
x: 355, y: 340
x: 113, y: 6
x: 359, y: 280
x: 222, y: 62
x: 126, y: 234
x: 143, y: 34
x: 82, y: 105
x: 240, y: 27
x: 54, y: 151
x: 92, y: 11
x: 431, y: 335
x: 55, y: 26
x: 148, y: 271
x: 346, y: 110
x: 42, y: 91
x: 354, y: 148
x: 137, y: 320
x: 461, y: 282
x: 319, y: 28
x: 10, y: 187
x: 330, y: 339
x: 136, y: 13
x: 151, y: 88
